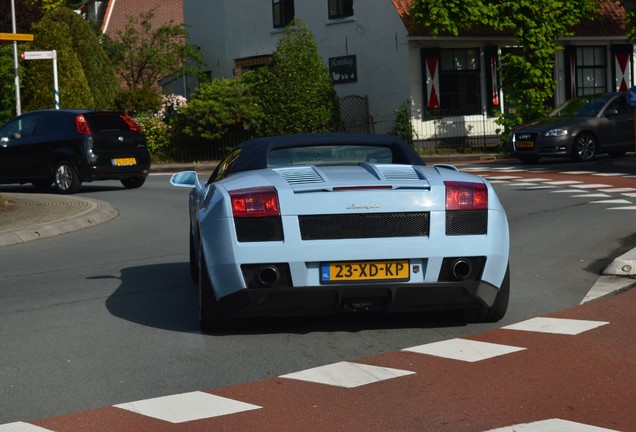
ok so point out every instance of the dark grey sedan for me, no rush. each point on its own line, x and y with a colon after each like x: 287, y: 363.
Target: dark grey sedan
x: 579, y: 129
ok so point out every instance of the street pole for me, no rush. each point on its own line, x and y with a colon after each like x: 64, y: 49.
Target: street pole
x: 18, y: 108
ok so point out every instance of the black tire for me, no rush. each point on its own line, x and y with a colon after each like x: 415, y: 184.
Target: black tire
x: 133, y: 182
x: 194, y: 263
x: 65, y: 178
x: 499, y: 308
x: 584, y: 147
x: 210, y: 318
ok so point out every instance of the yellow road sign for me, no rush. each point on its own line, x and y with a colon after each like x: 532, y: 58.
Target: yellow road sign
x: 19, y: 37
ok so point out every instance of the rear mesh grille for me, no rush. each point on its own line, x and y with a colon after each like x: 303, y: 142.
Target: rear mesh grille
x: 466, y: 222
x: 258, y: 229
x: 367, y: 225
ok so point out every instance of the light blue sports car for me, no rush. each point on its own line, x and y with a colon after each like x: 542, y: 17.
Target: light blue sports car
x: 326, y: 223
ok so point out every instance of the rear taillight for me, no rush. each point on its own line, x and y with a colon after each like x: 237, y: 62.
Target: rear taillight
x: 255, y: 202
x: 466, y: 196
x: 131, y: 123
x: 82, y: 125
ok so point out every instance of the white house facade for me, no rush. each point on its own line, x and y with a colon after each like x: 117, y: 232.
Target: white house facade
x: 376, y: 55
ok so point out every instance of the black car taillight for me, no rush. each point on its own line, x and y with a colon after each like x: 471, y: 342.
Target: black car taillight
x: 256, y: 214
x: 131, y: 123
x: 466, y: 208
x: 82, y: 125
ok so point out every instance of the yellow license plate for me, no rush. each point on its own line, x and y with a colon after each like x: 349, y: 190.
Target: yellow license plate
x: 124, y: 161
x: 524, y: 144
x: 351, y: 271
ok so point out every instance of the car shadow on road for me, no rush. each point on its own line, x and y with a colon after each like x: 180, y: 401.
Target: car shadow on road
x: 159, y: 295
x: 163, y: 296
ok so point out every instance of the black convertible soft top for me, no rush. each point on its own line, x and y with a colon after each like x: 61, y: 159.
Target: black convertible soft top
x: 254, y: 152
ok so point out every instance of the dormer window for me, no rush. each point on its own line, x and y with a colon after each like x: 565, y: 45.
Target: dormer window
x: 340, y: 8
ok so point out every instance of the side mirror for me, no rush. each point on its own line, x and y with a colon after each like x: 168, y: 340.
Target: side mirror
x: 188, y: 179
x: 610, y: 112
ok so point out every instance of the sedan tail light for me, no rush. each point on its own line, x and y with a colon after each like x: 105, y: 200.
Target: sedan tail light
x: 466, y: 196
x: 255, y: 202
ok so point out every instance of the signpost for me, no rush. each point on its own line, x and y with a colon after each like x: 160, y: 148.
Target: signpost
x: 16, y: 37
x: 46, y: 55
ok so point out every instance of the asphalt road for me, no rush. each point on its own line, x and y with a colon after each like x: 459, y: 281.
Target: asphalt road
x: 108, y: 314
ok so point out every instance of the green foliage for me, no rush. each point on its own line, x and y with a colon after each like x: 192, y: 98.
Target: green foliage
x: 158, y: 136
x: 143, y: 54
x: 139, y: 100
x: 295, y: 90
x: 535, y: 24
x: 7, y: 87
x: 98, y: 69
x: 38, y: 92
x: 218, y: 107
x: 403, y: 124
x: 158, y: 129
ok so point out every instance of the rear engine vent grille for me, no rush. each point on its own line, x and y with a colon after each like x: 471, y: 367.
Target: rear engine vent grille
x: 392, y: 172
x: 259, y: 229
x: 466, y: 222
x: 299, y: 175
x: 366, y: 225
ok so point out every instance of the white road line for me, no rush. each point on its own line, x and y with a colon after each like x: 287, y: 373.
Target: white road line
x: 503, y: 177
x: 586, y: 195
x: 564, y: 182
x: 538, y: 179
x: 633, y: 195
x: 592, y: 186
x: 614, y: 201
x: 619, y: 190
x: 556, y: 325
x: 623, y: 208
x: 22, y: 427
x: 607, y: 285
x: 552, y: 425
x: 464, y: 349
x: 185, y: 407
x: 577, y: 172
x: 544, y: 187
x: 609, y: 174
x: 347, y: 374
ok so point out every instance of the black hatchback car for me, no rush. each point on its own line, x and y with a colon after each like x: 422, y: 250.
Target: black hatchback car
x: 64, y: 148
x: 579, y: 129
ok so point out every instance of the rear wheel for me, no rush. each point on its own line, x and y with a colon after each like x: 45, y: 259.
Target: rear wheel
x: 65, y: 178
x: 211, y: 317
x: 585, y: 147
x: 194, y: 264
x: 498, y: 310
x: 133, y: 182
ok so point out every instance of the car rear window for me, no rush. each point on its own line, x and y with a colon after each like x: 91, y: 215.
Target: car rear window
x: 109, y: 121
x: 329, y: 155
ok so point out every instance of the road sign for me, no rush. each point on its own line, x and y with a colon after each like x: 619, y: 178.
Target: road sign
x: 37, y: 55
x: 18, y: 37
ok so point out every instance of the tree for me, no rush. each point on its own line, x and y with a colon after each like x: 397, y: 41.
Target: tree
x: 98, y: 69
x: 7, y: 88
x: 143, y: 55
x: 219, y: 107
x: 295, y: 89
x: 74, y: 91
x: 536, y: 25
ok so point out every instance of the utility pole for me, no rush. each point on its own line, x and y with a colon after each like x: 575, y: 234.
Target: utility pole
x: 18, y: 106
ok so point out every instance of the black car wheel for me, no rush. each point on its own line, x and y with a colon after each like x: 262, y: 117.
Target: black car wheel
x: 65, y: 178
x: 133, y: 182
x: 585, y: 147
